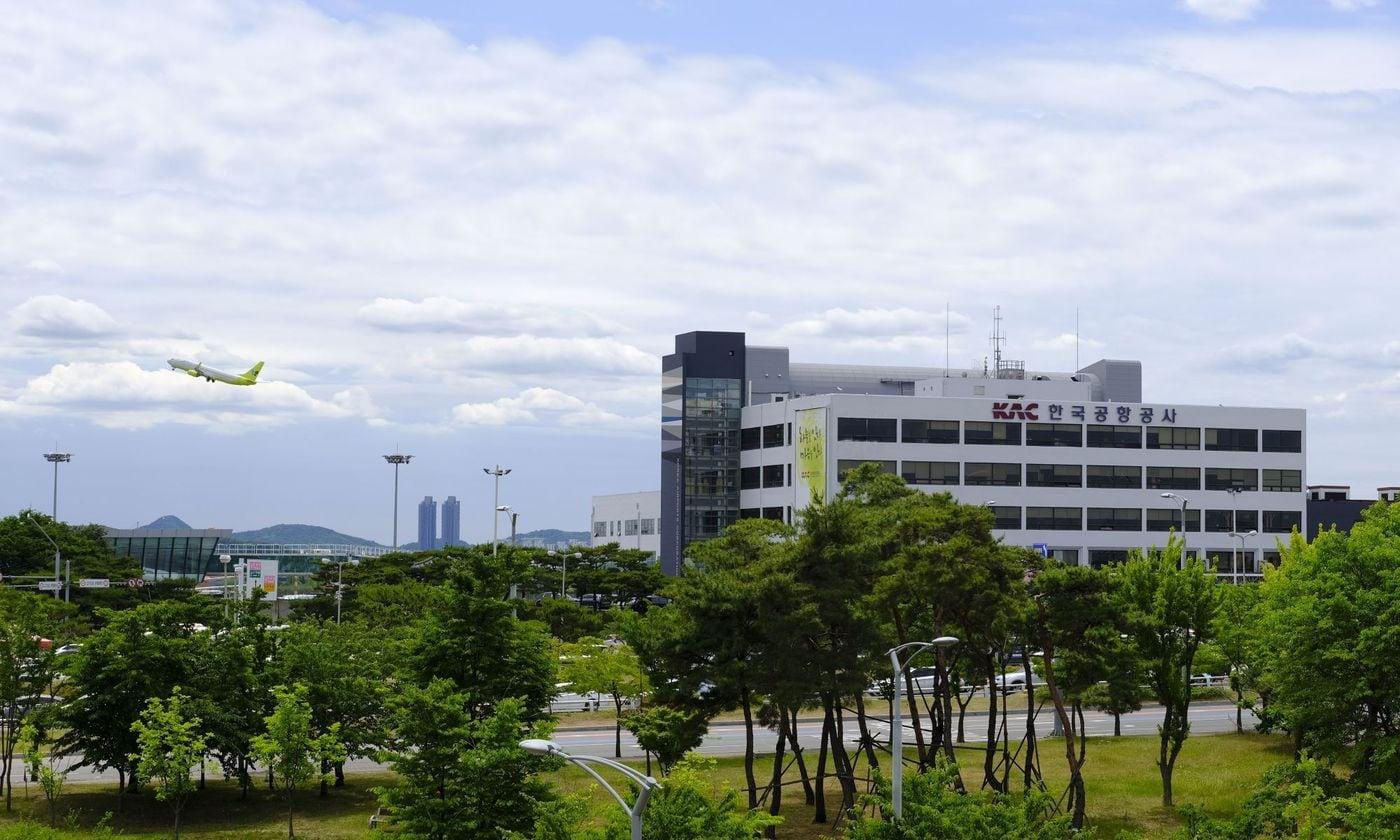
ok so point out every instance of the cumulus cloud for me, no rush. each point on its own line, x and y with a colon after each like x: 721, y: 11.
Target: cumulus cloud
x: 874, y: 322
x: 446, y: 314
x: 545, y: 406
x: 541, y: 356
x: 123, y: 395
x: 58, y: 317
x: 1224, y: 10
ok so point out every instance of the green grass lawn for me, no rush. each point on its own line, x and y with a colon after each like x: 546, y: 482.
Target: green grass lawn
x: 1124, y: 792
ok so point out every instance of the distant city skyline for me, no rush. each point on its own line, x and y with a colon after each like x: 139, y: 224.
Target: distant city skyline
x: 477, y: 247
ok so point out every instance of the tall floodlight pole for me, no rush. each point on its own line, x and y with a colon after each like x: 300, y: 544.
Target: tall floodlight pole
x: 645, y: 783
x: 57, y: 556
x: 1183, y: 502
x: 496, y: 472
x: 897, y: 716
x: 397, y: 461
x: 57, y: 458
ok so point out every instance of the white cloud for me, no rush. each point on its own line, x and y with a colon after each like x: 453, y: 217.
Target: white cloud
x: 541, y: 356
x: 445, y: 314
x: 546, y: 406
x: 55, y: 316
x: 1352, y: 5
x: 123, y: 395
x: 874, y: 322
x: 1224, y: 10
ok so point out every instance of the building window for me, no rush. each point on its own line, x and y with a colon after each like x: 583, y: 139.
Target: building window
x: 1006, y: 518
x: 773, y: 513
x: 1232, y: 440
x: 1068, y: 556
x: 1171, y: 437
x: 772, y: 435
x: 749, y: 478
x: 1273, y: 558
x: 648, y: 527
x: 844, y: 466
x: 1283, y: 481
x: 930, y: 472
x: 1165, y: 519
x: 992, y: 434
x: 1246, y: 520
x: 1115, y: 519
x: 1173, y: 478
x: 749, y: 513
x: 1228, y: 562
x: 600, y: 529
x: 1054, y: 434
x: 1112, y: 476
x: 1115, y: 437
x: 1283, y: 440
x: 1282, y: 521
x: 1054, y: 475
x: 749, y: 438
x: 773, y: 475
x: 930, y: 431
x: 1054, y: 519
x: 629, y: 528
x: 1100, y: 557
x: 997, y: 475
x: 1220, y: 521
x: 867, y: 429
x: 1224, y: 478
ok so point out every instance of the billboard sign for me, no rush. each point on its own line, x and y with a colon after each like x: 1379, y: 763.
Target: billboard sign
x: 811, y: 455
x: 261, y: 576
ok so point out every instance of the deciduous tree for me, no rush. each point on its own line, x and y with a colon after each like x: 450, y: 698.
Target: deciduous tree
x: 291, y: 749
x: 170, y: 745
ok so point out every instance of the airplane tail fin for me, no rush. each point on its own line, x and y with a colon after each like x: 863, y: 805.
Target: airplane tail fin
x: 253, y: 372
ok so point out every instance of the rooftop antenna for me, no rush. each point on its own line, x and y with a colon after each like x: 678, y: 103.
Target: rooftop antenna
x: 997, y: 338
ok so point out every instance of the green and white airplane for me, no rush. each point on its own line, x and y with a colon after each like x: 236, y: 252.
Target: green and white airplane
x: 197, y: 370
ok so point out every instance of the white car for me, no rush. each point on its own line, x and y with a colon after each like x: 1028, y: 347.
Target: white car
x: 1016, y: 681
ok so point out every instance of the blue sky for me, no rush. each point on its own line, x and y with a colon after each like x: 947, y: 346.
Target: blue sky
x: 468, y: 230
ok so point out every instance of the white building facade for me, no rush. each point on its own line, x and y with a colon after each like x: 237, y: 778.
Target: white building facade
x: 629, y: 519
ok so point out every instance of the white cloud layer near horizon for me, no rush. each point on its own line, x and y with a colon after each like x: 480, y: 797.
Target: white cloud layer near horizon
x: 384, y: 212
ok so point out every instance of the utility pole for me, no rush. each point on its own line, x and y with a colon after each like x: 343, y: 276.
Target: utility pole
x: 398, y: 461
x: 496, y: 472
x: 57, y: 458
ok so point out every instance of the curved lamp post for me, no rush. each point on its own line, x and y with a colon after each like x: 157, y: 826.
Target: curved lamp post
x: 897, y: 718
x: 539, y: 746
x: 1235, y: 571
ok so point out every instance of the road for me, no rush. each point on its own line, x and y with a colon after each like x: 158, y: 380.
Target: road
x: 727, y: 739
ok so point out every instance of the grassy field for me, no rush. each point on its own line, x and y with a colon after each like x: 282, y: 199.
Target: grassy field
x: 1215, y: 772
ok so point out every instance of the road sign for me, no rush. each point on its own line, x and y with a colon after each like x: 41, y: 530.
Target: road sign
x: 1043, y: 548
x: 135, y: 583
x: 93, y: 583
x: 50, y: 585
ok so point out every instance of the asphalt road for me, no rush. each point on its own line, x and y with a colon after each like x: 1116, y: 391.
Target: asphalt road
x: 725, y: 739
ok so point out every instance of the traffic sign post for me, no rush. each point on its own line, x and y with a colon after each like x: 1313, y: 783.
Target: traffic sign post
x: 50, y: 585
x: 94, y: 583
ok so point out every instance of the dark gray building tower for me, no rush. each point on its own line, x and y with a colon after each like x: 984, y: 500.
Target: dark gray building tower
x: 451, y: 521
x: 702, y: 394
x: 427, y: 524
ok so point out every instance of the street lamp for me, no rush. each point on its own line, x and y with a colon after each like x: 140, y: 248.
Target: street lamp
x: 1183, y: 502
x: 339, y: 577
x: 57, y: 458
x: 1234, y: 574
x: 224, y: 560
x: 896, y: 718
x: 537, y: 746
x: 495, y: 472
x: 57, y: 555
x: 397, y: 461
x: 564, y: 572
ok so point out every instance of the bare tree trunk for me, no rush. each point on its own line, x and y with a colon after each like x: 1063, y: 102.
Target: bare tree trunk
x: 340, y: 774
x: 775, y: 800
x: 867, y: 744
x: 1032, y: 767
x: 902, y: 637
x: 820, y: 802
x: 842, y: 758
x: 745, y: 701
x: 797, y: 753
x: 325, y: 785
x: 989, y: 771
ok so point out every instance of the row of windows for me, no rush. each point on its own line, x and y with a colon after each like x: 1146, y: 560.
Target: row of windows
x: 781, y: 514
x: 623, y: 527
x: 765, y: 437
x: 1223, y: 562
x: 1009, y: 518
x: 772, y: 475
x: 998, y: 433
x: 1073, y: 475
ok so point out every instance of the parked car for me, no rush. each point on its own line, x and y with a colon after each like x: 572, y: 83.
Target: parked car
x: 925, y: 681
x: 67, y: 649
x: 1014, y: 681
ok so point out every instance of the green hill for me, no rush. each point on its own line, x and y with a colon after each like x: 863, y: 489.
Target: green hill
x: 555, y: 535
x: 169, y: 523
x: 298, y: 534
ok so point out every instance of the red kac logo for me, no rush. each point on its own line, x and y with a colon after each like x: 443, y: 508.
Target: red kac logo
x: 1015, y: 411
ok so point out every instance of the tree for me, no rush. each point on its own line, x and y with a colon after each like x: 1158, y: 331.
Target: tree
x: 26, y: 666
x: 1169, y: 611
x: 566, y: 620
x: 610, y: 668
x: 669, y: 733
x: 682, y: 809
x: 170, y: 744
x: 290, y: 749
x: 462, y: 776
x: 42, y: 769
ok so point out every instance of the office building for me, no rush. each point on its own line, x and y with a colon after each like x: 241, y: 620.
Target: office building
x: 188, y: 553
x: 1072, y: 463
x: 427, y: 524
x: 628, y: 519
x: 1331, y: 506
x: 451, y: 521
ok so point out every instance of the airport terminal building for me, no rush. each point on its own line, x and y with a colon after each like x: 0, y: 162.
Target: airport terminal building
x: 1074, y: 463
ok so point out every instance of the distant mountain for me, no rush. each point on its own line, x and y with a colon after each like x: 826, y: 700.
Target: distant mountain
x: 169, y: 523
x: 298, y: 534
x: 554, y: 535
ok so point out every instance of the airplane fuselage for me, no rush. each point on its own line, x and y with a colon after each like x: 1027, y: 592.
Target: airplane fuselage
x: 209, y: 374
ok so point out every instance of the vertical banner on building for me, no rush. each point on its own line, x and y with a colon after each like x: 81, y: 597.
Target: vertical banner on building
x: 811, y: 456
x: 261, y: 576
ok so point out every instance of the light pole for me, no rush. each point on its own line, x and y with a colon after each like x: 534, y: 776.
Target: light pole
x: 57, y: 458
x: 537, y: 746
x: 564, y: 572
x: 339, y: 577
x: 224, y: 560
x: 1183, y: 502
x: 57, y: 556
x: 1234, y: 564
x: 500, y: 509
x: 398, y: 461
x: 897, y: 717
x: 496, y: 472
